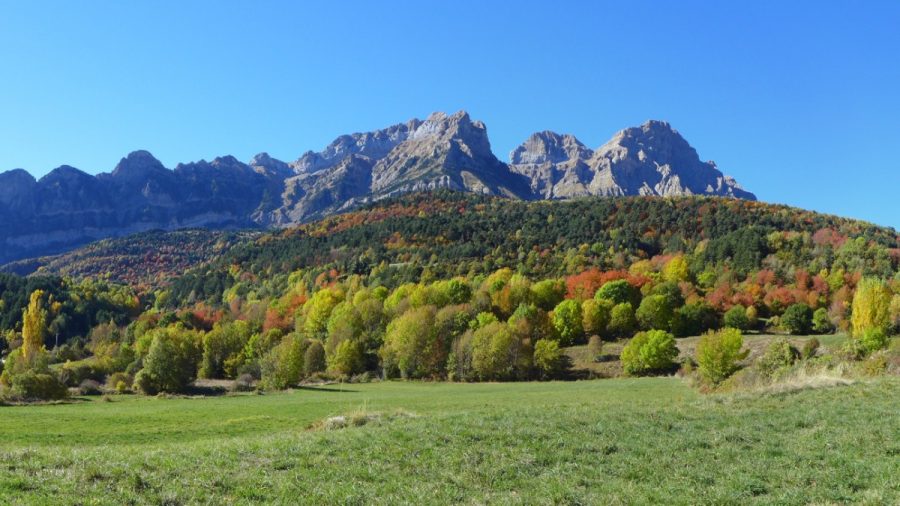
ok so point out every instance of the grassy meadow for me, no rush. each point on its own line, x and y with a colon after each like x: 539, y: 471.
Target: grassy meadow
x: 619, y: 441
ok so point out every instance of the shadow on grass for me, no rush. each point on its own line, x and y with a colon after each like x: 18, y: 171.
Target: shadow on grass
x: 313, y: 388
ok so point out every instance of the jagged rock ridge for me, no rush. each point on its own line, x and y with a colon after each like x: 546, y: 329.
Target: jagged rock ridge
x: 68, y: 207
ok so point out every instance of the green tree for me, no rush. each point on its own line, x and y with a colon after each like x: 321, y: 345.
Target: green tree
x: 314, y: 359
x: 736, y: 318
x: 821, y: 323
x: 718, y: 354
x: 347, y: 359
x: 548, y: 293
x: 496, y: 352
x: 621, y: 320
x: 412, y: 345
x: 655, y: 312
x: 596, y: 315
x: 317, y: 310
x: 568, y: 321
x: 797, y: 319
x: 548, y: 358
x: 648, y: 352
x: 283, y: 365
x: 619, y: 291
x: 171, y: 362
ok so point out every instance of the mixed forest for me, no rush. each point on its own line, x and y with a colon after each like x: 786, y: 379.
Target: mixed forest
x: 458, y: 287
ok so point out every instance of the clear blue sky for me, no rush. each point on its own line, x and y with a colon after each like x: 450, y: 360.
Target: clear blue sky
x: 800, y: 101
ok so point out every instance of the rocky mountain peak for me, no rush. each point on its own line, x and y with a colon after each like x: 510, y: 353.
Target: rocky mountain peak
x: 547, y: 146
x: 374, y: 145
x: 137, y: 165
x: 264, y: 164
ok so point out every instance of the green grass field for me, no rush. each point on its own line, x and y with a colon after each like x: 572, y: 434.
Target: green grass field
x: 622, y: 441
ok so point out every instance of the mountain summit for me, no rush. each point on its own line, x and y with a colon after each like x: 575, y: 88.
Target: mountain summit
x: 653, y: 159
x: 68, y: 207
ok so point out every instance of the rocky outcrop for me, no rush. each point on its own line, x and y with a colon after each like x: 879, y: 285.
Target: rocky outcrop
x: 653, y: 159
x: 68, y: 207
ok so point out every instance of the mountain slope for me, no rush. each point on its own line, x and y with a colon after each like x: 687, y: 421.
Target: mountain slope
x: 68, y: 207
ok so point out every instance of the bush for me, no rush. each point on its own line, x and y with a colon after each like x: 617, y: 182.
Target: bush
x: 810, y: 348
x: 718, y: 354
x: 736, y: 318
x: 797, y: 319
x: 821, y: 324
x: 873, y: 339
x: 548, y: 358
x: 35, y: 385
x: 779, y: 354
x: 648, y: 352
x: 115, y: 379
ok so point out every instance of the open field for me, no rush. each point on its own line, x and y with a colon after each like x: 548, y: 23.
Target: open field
x: 619, y: 441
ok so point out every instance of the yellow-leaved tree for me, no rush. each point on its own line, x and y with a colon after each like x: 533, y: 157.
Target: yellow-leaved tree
x: 871, y: 306
x: 34, y: 327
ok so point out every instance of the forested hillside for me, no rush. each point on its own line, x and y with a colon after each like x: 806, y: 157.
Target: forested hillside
x: 455, y: 286
x: 448, y: 234
x: 144, y: 261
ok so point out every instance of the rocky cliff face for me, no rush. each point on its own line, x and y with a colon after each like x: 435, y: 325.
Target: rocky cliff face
x: 653, y: 159
x: 68, y: 207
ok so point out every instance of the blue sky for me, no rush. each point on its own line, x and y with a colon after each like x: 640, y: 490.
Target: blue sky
x: 800, y: 101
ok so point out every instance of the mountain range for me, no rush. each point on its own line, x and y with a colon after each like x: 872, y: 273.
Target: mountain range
x: 69, y: 207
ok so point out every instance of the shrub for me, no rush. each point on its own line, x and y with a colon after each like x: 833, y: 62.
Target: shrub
x: 873, y: 339
x: 33, y: 385
x: 648, y: 352
x: 797, y: 319
x: 595, y: 348
x: 548, y: 358
x: 821, y: 324
x: 736, y: 318
x: 778, y: 354
x: 114, y: 379
x: 282, y: 366
x: 718, y: 354
x: 810, y: 348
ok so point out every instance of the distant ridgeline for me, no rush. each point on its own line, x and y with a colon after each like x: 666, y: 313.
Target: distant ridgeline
x: 68, y: 207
